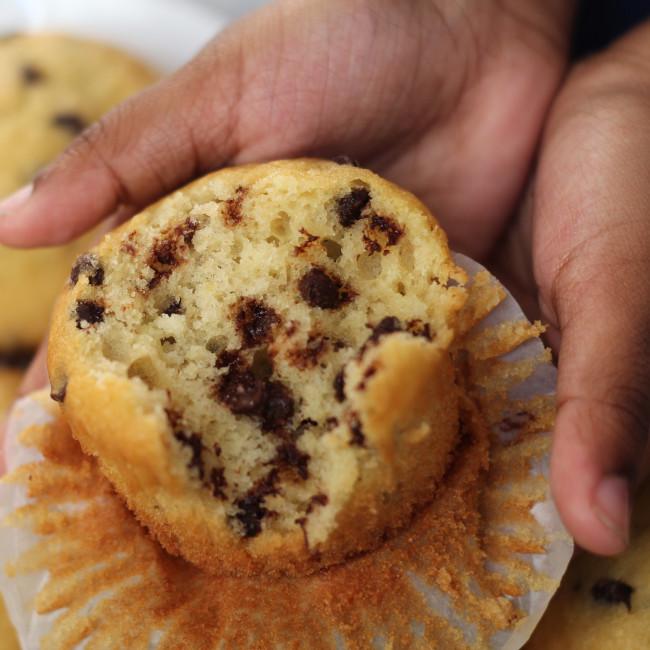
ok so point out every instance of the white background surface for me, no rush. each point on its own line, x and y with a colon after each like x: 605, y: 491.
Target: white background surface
x: 234, y: 8
x: 164, y: 33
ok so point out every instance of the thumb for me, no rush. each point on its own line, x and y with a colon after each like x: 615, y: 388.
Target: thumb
x: 592, y: 244
x: 601, y: 427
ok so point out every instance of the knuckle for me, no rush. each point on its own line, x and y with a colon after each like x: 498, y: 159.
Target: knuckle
x: 616, y: 427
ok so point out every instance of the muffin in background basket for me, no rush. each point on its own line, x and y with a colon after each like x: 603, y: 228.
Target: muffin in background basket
x: 51, y: 88
x: 604, y: 602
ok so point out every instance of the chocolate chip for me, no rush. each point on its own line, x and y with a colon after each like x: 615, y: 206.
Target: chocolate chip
x: 18, y: 358
x: 250, y: 515
x: 358, y: 439
x: 193, y: 441
x: 218, y: 482
x: 233, y: 214
x: 30, y: 74
x: 419, y: 328
x: 339, y: 382
x: 309, y: 240
x: 251, y: 509
x: 612, y: 592
x: 89, y: 265
x: 305, y: 424
x: 319, y: 289
x: 309, y: 356
x: 279, y: 406
x: 230, y: 359
x: 59, y: 395
x: 90, y: 312
x: 174, y: 307
x: 70, y: 122
x: 242, y: 392
x: 350, y: 206
x: 255, y: 322
x: 317, y: 500
x: 174, y: 417
x: 391, y: 233
x: 167, y: 251
x: 386, y: 325
x: 187, y: 230
x: 388, y: 226
x: 345, y: 160
x: 369, y: 372
x: 289, y: 454
x: 164, y: 252
x: 129, y: 244
x: 245, y: 394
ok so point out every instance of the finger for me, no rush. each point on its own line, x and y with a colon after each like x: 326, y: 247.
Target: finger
x: 592, y: 243
x: 35, y: 378
x: 311, y: 78
x: 263, y: 89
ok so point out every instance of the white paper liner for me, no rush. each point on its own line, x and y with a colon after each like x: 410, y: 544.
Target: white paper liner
x: 20, y: 590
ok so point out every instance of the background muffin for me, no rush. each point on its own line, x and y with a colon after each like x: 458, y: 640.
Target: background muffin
x: 51, y: 88
x: 604, y: 602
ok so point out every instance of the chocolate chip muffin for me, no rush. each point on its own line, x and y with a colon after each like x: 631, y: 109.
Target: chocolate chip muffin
x: 51, y: 88
x: 262, y: 363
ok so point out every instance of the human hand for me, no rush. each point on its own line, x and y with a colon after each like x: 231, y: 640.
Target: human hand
x: 445, y: 98
x: 591, y: 251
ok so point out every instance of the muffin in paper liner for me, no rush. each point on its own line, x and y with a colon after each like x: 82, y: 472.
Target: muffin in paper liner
x: 474, y: 569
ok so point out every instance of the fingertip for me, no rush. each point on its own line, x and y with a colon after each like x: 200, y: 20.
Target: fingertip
x: 611, y: 505
x: 594, y: 505
x: 11, y: 226
x: 15, y: 201
x: 591, y: 527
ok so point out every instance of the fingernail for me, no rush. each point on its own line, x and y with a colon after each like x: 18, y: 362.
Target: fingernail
x: 16, y: 200
x: 612, y: 505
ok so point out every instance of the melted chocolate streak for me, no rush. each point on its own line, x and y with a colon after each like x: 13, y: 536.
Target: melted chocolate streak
x: 255, y: 322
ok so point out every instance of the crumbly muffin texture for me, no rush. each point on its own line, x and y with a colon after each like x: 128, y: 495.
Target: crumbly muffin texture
x: 51, y: 88
x: 262, y: 363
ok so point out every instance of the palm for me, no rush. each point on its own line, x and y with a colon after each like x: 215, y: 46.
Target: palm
x: 375, y: 83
